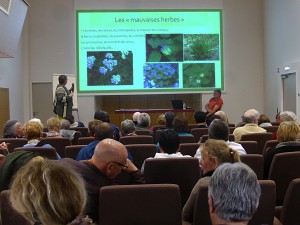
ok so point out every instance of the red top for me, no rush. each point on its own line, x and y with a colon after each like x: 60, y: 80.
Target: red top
x: 215, y: 101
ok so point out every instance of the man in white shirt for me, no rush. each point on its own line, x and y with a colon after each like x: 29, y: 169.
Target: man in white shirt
x: 219, y: 130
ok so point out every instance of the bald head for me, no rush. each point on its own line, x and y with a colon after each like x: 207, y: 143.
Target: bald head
x: 109, y: 150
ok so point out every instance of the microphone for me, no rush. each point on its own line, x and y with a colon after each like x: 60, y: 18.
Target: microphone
x: 73, y: 87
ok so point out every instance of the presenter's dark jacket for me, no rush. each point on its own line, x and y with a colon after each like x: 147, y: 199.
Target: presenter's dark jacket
x: 63, y: 102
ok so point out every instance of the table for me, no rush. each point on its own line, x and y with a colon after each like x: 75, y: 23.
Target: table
x: 131, y: 111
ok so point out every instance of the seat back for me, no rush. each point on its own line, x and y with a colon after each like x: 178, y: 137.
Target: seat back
x: 284, y: 168
x: 263, y: 215
x: 48, y: 153
x: 266, y: 208
x: 271, y: 144
x: 261, y: 139
x: 255, y: 162
x: 71, y: 151
x: 198, y: 132
x: 192, y: 126
x: 83, y: 130
x: 140, y: 152
x: 157, y: 204
x: 189, y: 148
x: 85, y: 140
x: 182, y: 171
x: 14, y: 143
x: 186, y: 139
x: 271, y: 129
x: 58, y: 143
x: 290, y: 209
x: 10, y: 216
x: 77, y: 135
x: 144, y: 132
x: 138, y: 139
x: 155, y: 129
x: 249, y: 146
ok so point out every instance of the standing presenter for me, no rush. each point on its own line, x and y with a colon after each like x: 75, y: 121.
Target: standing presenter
x: 63, y: 100
x: 214, y: 104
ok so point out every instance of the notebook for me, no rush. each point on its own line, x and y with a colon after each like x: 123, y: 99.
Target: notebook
x: 177, y: 104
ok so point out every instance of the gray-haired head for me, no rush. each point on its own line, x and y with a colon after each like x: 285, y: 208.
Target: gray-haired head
x: 143, y: 120
x: 251, y: 116
x: 219, y: 130
x: 127, y: 127
x: 235, y: 192
x: 287, y: 116
x: 9, y: 128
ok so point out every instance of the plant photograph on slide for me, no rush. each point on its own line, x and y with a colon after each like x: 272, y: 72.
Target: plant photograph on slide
x: 201, y: 47
x: 161, y: 75
x: 198, y: 75
x: 110, y: 68
x: 164, y: 47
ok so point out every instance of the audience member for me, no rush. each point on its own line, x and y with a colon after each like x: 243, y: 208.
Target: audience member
x: 233, y: 194
x: 242, y: 123
x: 92, y: 125
x: 168, y: 143
x: 264, y: 121
x: 288, y: 134
x: 200, y: 119
x: 285, y: 116
x: 33, y: 133
x: 180, y: 125
x: 74, y: 123
x: 160, y: 120
x: 104, y: 117
x: 169, y: 119
x: 209, y: 119
x: 127, y: 128
x: 47, y: 193
x: 219, y: 130
x: 102, y: 131
x: 143, y: 122
x: 222, y: 116
x: 53, y: 125
x: 3, y: 151
x: 65, y: 129
x: 214, y: 153
x: 135, y: 117
x: 215, y: 103
x: 108, y: 160
x: 251, y: 119
x: 13, y: 129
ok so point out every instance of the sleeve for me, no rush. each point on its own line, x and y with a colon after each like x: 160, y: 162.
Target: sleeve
x: 62, y: 95
x: 188, y: 209
x: 137, y: 178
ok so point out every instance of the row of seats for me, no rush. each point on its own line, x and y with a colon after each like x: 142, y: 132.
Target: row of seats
x: 160, y: 204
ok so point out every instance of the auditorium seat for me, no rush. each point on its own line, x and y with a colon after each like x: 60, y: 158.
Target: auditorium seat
x: 13, y: 143
x: 138, y: 139
x: 77, y: 135
x: 10, y: 216
x: 58, y: 143
x: 189, y: 148
x: 186, y: 139
x: 144, y: 132
x: 261, y: 139
x: 71, y: 151
x: 83, y: 130
x: 85, y: 140
x: 249, y: 146
x: 49, y: 153
x: 182, y: 171
x: 271, y: 144
x: 255, y: 162
x: 271, y: 129
x: 146, y: 204
x: 140, y: 152
x: 198, y: 132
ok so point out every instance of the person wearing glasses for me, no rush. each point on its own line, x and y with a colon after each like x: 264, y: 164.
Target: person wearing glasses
x: 108, y: 161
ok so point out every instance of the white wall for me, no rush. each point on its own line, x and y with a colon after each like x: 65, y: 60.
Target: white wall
x: 51, y: 48
x: 282, y: 45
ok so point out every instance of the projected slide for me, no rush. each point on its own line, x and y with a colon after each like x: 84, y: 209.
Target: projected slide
x: 149, y: 51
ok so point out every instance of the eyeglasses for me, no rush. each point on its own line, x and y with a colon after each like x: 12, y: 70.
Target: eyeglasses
x: 124, y: 166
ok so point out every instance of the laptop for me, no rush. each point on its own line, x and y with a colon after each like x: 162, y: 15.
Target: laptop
x: 177, y: 104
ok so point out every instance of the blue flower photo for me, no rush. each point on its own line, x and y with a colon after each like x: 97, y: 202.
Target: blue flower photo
x: 161, y: 75
x: 110, y: 68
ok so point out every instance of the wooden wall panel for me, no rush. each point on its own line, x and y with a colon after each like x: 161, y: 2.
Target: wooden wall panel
x: 114, y: 102
x: 4, y: 112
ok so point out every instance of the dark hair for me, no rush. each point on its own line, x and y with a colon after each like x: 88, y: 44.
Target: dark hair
x: 218, y: 91
x: 209, y: 119
x: 169, y: 118
x: 102, y: 115
x: 62, y: 79
x: 200, y: 117
x: 180, y: 124
x: 70, y: 118
x: 169, y: 141
x: 218, y: 129
x: 104, y: 130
